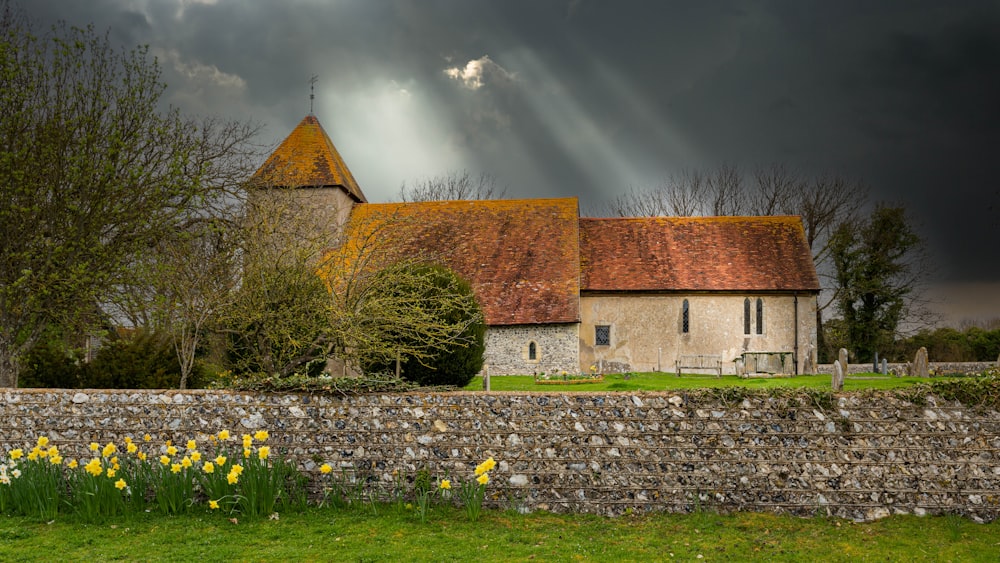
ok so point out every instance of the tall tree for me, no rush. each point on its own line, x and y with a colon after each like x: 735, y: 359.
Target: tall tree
x: 877, y: 273
x: 452, y: 186
x: 92, y: 172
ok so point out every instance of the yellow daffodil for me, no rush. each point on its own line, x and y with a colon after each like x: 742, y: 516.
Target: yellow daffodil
x: 120, y: 484
x: 445, y: 484
x: 114, y: 460
x: 55, y: 459
x: 208, y: 467
x: 232, y: 478
x: 146, y: 437
x: 223, y: 435
x: 192, y: 445
x: 141, y: 456
x: 94, y: 467
x: 43, y: 441
x: 490, y: 464
x: 169, y: 443
x: 175, y: 468
x: 186, y: 462
x: 53, y: 451
x: 16, y: 453
x: 263, y: 452
x: 483, y: 479
x: 260, y: 435
x: 40, y: 452
x: 325, y: 468
x: 131, y: 448
x: 220, y: 460
x: 128, y: 439
x: 247, y: 440
x: 72, y: 464
x: 213, y: 504
x: 112, y: 471
x: 237, y: 469
x: 195, y: 456
x: 108, y: 450
x: 171, y: 450
x: 94, y: 446
x: 164, y: 460
x: 246, y: 452
x: 33, y: 455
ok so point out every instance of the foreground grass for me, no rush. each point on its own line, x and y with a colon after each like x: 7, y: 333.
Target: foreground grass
x: 665, y: 381
x: 395, y: 534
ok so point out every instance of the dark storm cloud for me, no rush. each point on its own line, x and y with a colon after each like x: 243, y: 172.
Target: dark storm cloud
x: 588, y: 97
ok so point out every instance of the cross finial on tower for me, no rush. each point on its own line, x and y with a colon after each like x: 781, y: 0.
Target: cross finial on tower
x: 312, y: 84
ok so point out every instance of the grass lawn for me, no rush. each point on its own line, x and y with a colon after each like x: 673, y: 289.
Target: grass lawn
x: 396, y: 534
x: 658, y: 381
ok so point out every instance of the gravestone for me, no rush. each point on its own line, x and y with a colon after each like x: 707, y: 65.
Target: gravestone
x: 842, y: 358
x: 885, y: 367
x: 920, y: 364
x: 837, y: 381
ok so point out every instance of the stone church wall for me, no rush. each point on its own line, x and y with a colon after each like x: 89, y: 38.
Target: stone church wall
x: 508, y: 349
x: 646, y: 330
x: 859, y: 456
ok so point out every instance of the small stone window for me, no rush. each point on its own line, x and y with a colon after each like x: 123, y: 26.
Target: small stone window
x: 760, y: 316
x: 532, y: 351
x: 685, y: 317
x: 602, y: 335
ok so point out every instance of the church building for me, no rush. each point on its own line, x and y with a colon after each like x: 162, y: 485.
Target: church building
x: 561, y: 292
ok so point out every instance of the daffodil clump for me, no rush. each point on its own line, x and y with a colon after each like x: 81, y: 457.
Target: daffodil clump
x: 473, y: 492
x: 173, y: 478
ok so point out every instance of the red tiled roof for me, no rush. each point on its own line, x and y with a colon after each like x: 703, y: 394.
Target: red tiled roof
x: 308, y: 159
x: 696, y: 254
x: 520, y: 256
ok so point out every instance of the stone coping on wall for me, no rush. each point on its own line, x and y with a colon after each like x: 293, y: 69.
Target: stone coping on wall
x: 861, y: 456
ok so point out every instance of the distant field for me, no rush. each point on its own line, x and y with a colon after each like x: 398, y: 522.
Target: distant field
x: 657, y: 381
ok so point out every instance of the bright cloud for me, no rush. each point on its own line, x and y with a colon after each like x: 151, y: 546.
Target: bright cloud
x: 478, y: 72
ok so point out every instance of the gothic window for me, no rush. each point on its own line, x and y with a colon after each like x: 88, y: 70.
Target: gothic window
x: 685, y: 317
x: 602, y: 335
x: 746, y: 316
x: 532, y: 351
x: 760, y: 316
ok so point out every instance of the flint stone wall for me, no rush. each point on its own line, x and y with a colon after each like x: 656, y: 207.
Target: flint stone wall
x: 939, y: 368
x: 863, y: 457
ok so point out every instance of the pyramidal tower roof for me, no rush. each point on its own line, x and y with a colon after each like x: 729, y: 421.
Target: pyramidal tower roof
x: 308, y: 159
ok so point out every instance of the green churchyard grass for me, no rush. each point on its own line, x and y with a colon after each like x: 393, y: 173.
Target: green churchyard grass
x: 660, y: 381
x: 396, y: 533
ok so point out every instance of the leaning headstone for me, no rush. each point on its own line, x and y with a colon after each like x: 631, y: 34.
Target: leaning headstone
x: 885, y: 367
x: 920, y: 363
x: 842, y: 358
x: 837, y: 381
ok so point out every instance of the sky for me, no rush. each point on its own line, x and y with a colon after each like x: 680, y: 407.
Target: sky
x: 590, y: 98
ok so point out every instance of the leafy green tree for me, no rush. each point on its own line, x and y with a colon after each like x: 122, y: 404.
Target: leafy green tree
x: 93, y: 171
x: 877, y: 272
x: 441, y: 297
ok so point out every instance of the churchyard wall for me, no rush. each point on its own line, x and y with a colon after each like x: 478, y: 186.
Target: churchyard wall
x: 903, y: 368
x: 859, y: 456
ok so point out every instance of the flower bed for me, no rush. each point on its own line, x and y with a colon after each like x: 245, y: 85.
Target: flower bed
x: 244, y: 479
x: 568, y: 378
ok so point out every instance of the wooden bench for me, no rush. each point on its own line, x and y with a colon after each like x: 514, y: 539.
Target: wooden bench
x: 699, y: 361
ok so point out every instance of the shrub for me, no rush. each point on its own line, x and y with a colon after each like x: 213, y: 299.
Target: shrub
x: 141, y: 360
x: 456, y: 363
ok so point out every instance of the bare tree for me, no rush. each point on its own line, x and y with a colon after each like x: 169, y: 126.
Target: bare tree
x: 776, y: 191
x: 453, y: 186
x: 724, y: 187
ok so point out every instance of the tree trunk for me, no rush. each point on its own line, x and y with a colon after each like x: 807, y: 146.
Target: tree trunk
x: 10, y: 368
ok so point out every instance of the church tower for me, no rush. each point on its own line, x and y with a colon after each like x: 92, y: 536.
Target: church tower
x: 307, y: 169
